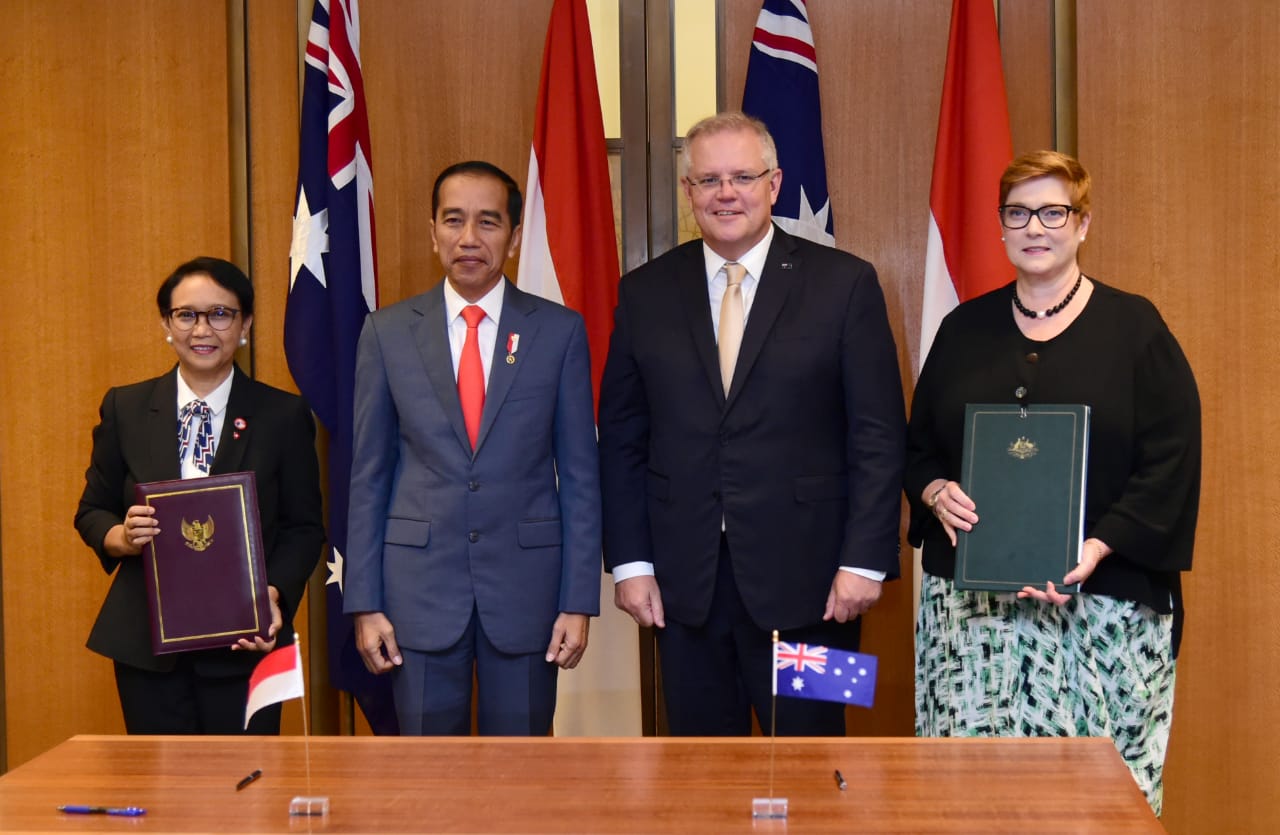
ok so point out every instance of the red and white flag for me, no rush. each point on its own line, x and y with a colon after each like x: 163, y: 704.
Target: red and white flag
x: 569, y: 254
x: 964, y: 258
x: 569, y: 247
x: 277, y: 678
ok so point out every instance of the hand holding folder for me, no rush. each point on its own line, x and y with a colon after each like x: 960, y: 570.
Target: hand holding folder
x: 205, y: 570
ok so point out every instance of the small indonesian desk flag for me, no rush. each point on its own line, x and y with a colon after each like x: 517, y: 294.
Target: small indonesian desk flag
x: 277, y: 678
x: 827, y: 674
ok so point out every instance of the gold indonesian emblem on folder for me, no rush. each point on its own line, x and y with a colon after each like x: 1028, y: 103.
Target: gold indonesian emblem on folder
x: 1025, y: 470
x: 205, y: 572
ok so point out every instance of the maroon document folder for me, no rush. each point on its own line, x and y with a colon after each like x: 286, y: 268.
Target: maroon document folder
x: 206, y: 574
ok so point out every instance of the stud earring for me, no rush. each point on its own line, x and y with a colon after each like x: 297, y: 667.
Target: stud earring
x: 1082, y: 239
x: 243, y: 342
x: 169, y: 339
x: 1002, y: 237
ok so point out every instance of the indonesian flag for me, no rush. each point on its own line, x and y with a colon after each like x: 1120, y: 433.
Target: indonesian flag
x: 277, y: 678
x: 569, y: 247
x: 964, y: 258
x: 569, y: 254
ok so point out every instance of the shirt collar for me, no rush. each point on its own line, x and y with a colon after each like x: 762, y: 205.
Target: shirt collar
x: 753, y: 259
x: 490, y: 302
x: 216, y: 399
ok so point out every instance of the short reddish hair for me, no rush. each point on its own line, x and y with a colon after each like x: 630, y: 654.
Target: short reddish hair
x: 1049, y: 164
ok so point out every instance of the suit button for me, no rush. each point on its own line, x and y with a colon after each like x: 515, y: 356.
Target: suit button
x: 473, y: 486
x: 1033, y: 358
x: 474, y: 536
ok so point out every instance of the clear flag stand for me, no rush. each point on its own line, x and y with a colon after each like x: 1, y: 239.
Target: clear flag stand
x: 771, y: 808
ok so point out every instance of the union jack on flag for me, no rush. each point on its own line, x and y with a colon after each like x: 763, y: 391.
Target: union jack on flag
x: 332, y: 287
x: 801, y: 657
x: 782, y: 91
x: 828, y: 674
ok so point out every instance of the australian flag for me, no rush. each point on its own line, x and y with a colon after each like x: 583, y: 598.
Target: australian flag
x: 332, y: 287
x: 809, y: 671
x: 782, y: 92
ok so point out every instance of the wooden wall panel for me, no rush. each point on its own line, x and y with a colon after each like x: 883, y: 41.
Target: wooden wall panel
x: 273, y: 59
x: 447, y: 82
x: 1179, y: 125
x: 1026, y: 44
x: 113, y: 128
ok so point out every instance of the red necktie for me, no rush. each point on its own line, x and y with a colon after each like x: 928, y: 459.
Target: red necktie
x: 471, y: 374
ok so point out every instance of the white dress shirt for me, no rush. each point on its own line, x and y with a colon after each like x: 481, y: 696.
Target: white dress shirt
x: 486, y: 332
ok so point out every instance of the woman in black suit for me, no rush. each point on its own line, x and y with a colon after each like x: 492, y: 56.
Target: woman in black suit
x: 205, y: 417
x: 1041, y: 663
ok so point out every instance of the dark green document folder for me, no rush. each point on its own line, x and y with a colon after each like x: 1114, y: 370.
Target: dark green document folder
x: 1026, y: 474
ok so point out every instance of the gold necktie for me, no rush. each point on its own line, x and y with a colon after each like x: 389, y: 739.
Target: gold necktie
x: 731, y: 322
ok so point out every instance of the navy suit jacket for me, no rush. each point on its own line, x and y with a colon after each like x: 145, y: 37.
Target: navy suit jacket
x: 136, y: 441
x: 511, y: 531
x: 802, y: 461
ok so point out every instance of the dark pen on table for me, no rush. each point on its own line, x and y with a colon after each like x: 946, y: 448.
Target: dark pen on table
x: 840, y: 781
x: 257, y: 772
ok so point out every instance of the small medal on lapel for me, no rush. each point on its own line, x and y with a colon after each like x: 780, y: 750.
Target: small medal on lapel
x: 239, y: 424
x: 513, y: 344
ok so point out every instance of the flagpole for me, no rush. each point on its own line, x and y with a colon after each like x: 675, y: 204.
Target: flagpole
x: 773, y: 712
x: 771, y: 807
x: 307, y: 805
x: 306, y: 732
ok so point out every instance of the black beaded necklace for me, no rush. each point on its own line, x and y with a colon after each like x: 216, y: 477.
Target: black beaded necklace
x: 1045, y: 314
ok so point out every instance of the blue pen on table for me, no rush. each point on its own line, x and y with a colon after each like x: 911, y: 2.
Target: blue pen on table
x: 118, y: 811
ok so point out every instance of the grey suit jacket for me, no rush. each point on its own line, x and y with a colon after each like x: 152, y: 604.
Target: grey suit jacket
x: 511, y: 531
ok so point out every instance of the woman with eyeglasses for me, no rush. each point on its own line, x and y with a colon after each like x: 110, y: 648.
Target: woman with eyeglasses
x: 1039, y: 662
x: 204, y: 417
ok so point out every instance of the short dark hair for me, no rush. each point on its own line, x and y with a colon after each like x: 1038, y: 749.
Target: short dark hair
x: 479, y: 168
x: 224, y: 274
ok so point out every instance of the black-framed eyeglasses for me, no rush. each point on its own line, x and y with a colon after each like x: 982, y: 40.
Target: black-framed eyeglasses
x: 1052, y: 216
x: 740, y: 181
x: 219, y: 318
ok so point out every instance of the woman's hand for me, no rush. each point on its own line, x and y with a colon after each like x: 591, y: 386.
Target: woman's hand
x: 954, y: 509
x: 133, y: 534
x: 1092, y: 552
x: 277, y: 621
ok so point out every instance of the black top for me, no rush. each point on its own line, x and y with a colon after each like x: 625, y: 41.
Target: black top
x: 267, y: 431
x: 1143, y: 482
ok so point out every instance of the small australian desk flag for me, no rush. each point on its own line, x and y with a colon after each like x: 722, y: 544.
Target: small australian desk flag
x: 828, y: 674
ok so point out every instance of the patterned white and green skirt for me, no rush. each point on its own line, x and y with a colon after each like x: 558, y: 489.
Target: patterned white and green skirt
x: 992, y: 665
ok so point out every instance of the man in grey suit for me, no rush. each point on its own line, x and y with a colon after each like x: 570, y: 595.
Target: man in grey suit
x: 752, y: 437
x: 474, y: 544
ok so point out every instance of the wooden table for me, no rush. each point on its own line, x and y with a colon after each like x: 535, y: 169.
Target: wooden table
x: 187, y: 784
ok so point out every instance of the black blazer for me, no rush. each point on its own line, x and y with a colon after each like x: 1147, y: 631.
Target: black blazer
x: 803, y: 460
x: 137, y: 441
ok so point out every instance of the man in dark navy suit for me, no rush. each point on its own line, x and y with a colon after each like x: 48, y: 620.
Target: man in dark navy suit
x: 751, y: 444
